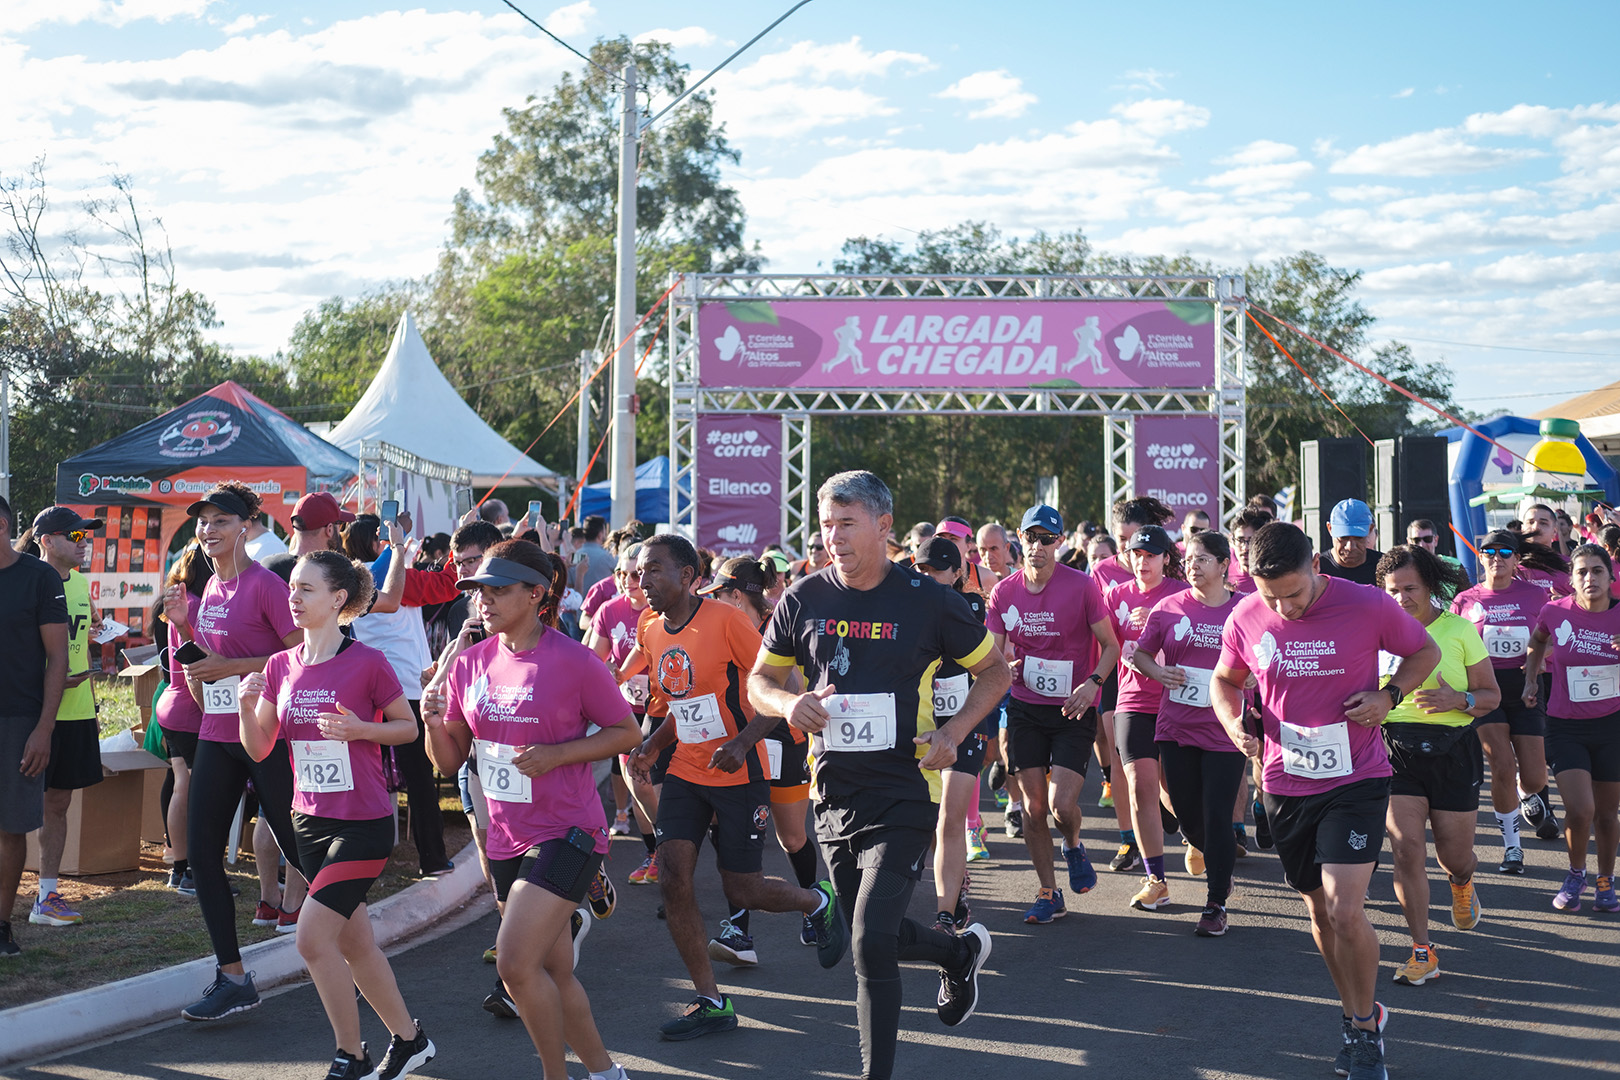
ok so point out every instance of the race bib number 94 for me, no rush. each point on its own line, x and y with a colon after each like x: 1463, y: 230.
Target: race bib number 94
x: 860, y: 722
x: 1315, y: 753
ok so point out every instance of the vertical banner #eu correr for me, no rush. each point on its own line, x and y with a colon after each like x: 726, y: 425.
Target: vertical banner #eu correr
x: 1178, y: 462
x: 739, y: 481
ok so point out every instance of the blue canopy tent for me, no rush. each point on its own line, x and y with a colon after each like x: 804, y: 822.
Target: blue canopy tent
x: 652, y: 493
x: 1478, y: 467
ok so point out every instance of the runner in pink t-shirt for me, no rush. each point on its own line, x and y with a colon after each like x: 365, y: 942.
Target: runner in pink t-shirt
x: 522, y: 700
x: 176, y: 711
x: 611, y: 635
x: 1049, y: 620
x: 336, y: 702
x: 242, y: 620
x: 1578, y: 639
x: 1312, y: 643
x: 1179, y: 647
x: 1156, y: 562
x: 1504, y: 608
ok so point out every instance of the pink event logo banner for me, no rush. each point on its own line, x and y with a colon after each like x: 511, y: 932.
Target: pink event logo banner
x: 947, y: 344
x: 1178, y: 462
x: 739, y: 477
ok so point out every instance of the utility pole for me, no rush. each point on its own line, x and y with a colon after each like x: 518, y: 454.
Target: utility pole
x: 582, y: 449
x: 622, y: 460
x: 5, y: 433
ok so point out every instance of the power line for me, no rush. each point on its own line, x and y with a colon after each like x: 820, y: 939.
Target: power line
x: 561, y: 42
x: 1509, y: 348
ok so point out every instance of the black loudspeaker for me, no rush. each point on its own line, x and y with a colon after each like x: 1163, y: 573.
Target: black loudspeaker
x: 1330, y: 470
x: 1412, y: 478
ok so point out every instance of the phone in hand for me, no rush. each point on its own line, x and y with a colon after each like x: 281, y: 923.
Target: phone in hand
x: 463, y: 502
x: 390, y: 511
x: 190, y: 653
x: 535, y: 516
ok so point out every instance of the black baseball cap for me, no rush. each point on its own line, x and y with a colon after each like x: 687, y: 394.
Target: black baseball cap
x: 221, y: 499
x: 63, y: 519
x: 499, y: 572
x: 1152, y: 539
x: 940, y: 554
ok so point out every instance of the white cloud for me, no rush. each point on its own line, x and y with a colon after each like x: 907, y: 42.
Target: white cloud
x: 1162, y: 116
x: 242, y: 24
x: 571, y: 19
x: 1146, y: 78
x: 1002, y: 93
x: 788, y: 93
x: 20, y: 15
x: 687, y: 37
x: 1408, y: 92
x: 1260, y: 152
x: 1253, y: 179
x: 1429, y: 153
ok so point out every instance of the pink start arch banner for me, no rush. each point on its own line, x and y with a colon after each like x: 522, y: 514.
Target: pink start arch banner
x: 957, y: 344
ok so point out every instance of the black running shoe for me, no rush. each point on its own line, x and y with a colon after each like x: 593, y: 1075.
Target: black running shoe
x: 1512, y: 861
x: 348, y: 1067
x: 959, y: 989
x: 405, y: 1057
x: 1015, y: 824
x: 222, y: 998
x: 1172, y: 825
x: 8, y: 944
x: 499, y: 1003
x: 832, y: 933
x: 1262, y: 826
x: 1126, y: 859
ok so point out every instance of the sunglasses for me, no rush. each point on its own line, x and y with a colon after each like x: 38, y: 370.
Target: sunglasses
x: 74, y: 536
x: 1498, y: 553
x: 1423, y: 539
x: 1042, y: 539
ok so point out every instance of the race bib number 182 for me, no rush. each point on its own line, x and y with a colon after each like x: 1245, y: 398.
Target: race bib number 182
x: 322, y: 765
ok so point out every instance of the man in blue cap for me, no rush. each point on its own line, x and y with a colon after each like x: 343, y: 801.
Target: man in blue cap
x: 1350, y: 525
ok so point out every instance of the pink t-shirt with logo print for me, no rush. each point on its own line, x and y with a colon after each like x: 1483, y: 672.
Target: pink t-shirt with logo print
x: 362, y: 680
x: 1054, y: 624
x: 1580, y: 647
x: 1307, y: 668
x: 1110, y: 572
x: 1514, y: 608
x: 245, y: 616
x: 1188, y: 634
x: 547, y: 695
x: 616, y: 621
x: 1137, y: 692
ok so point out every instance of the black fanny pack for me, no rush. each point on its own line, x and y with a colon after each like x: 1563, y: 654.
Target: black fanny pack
x: 1427, y: 740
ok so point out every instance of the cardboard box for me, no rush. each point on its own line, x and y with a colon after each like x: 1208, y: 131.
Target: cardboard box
x: 144, y: 679
x: 104, y: 822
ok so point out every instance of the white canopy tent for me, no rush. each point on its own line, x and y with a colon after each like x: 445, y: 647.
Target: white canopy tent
x: 411, y: 405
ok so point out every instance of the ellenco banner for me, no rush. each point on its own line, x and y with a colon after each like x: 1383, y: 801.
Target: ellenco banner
x: 1178, y: 462
x: 739, y: 483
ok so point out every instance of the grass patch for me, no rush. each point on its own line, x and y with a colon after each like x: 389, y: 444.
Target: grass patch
x: 117, y: 700
x: 134, y: 923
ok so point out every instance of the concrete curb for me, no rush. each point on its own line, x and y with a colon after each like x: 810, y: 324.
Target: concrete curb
x: 68, y: 1020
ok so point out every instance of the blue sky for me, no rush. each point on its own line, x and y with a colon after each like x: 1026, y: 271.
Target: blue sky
x: 1466, y: 157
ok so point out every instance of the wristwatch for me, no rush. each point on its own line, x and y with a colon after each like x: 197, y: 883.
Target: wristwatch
x: 1468, y: 696
x: 1094, y: 677
x: 1396, y: 694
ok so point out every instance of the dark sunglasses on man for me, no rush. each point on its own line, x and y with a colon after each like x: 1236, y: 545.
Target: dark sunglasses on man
x: 1041, y: 538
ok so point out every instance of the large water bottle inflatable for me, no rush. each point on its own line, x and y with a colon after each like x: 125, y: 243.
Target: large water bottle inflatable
x: 1556, y: 461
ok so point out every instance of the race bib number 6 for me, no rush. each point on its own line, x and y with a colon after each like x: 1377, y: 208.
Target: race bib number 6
x: 220, y: 697
x: 1593, y: 683
x: 859, y: 722
x: 1049, y: 678
x: 499, y: 775
x: 322, y: 765
x: 1315, y: 753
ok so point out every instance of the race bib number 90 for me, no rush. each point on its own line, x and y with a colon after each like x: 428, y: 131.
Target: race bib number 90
x: 949, y: 695
x: 220, y: 697
x: 860, y: 722
x: 1315, y: 753
x: 322, y: 766
x: 1593, y: 683
x: 1049, y: 678
x: 499, y: 775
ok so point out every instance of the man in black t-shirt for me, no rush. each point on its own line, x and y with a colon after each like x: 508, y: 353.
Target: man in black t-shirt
x: 1350, y: 524
x: 869, y: 636
x: 34, y: 642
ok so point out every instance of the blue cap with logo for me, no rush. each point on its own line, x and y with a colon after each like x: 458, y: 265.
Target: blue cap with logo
x: 1041, y: 516
x: 1351, y: 517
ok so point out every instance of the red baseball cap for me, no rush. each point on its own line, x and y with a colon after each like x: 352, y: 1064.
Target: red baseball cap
x: 317, y: 510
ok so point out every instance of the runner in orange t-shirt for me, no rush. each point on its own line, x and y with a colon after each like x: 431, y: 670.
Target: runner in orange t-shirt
x: 700, y: 652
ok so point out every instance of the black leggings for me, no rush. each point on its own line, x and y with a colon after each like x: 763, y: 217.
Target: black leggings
x: 1203, y: 786
x: 217, y: 783
x: 874, y: 900
x: 422, y: 796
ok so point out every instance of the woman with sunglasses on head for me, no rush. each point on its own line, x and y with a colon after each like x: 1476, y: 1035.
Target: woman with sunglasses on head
x: 176, y: 711
x: 1153, y: 558
x: 612, y: 637
x: 522, y: 700
x: 1576, y: 639
x: 242, y: 621
x: 1434, y: 753
x: 1543, y: 559
x: 1179, y: 647
x: 336, y: 703
x: 1504, y: 607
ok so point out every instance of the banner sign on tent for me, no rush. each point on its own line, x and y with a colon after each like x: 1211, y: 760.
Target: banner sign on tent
x: 1178, y: 462
x: 739, y: 478
x: 125, y: 572
x: 957, y: 344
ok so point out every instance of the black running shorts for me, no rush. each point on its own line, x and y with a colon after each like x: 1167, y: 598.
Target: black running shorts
x: 1342, y: 826
x: 1512, y: 711
x: 1133, y: 736
x: 1592, y: 745
x: 346, y: 857
x: 1041, y: 737
x: 553, y: 865
x: 1449, y: 781
x: 740, y: 813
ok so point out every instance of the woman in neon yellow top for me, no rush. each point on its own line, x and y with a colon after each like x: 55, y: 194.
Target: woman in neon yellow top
x: 1435, y: 754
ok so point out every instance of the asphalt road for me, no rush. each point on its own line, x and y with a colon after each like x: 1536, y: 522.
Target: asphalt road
x: 1530, y: 993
